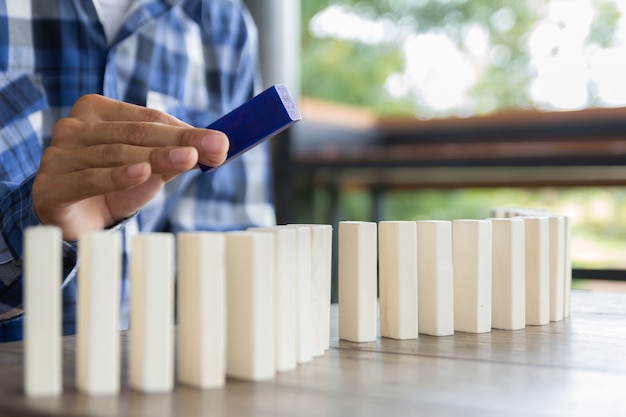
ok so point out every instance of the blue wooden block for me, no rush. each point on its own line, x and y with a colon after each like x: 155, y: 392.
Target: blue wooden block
x: 255, y: 121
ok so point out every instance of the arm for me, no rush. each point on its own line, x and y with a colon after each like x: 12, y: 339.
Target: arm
x: 105, y: 161
x: 109, y: 158
x: 20, y: 151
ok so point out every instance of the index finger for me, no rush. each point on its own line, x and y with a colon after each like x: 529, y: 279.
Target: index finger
x: 72, y: 133
x: 95, y: 107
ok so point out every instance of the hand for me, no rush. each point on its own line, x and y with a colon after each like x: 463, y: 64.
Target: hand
x: 109, y: 158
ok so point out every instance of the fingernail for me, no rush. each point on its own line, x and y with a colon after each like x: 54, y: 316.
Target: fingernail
x: 179, y: 155
x: 136, y: 170
x: 213, y: 143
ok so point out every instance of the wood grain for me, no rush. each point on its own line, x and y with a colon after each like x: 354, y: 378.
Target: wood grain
x: 575, y: 367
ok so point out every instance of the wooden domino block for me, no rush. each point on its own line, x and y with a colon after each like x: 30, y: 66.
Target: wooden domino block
x: 435, y: 302
x: 325, y: 283
x: 557, y: 266
x: 321, y: 238
x: 250, y: 305
x: 567, y: 267
x: 318, y: 289
x: 304, y: 314
x: 97, y: 335
x: 151, y: 334
x: 321, y: 280
x: 537, y: 270
x: 357, y: 281
x: 499, y: 212
x: 284, y: 295
x: 397, y: 254
x: 201, y: 309
x: 471, y: 260
x: 42, y: 317
x: 508, y: 305
x: 285, y: 250
x: 506, y: 212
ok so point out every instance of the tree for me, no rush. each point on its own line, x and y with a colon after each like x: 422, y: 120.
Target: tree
x: 440, y: 58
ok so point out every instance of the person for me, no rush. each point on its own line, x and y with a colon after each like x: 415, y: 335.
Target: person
x: 99, y: 103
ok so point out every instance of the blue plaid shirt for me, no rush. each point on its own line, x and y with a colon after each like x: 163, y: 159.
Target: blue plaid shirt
x: 194, y: 59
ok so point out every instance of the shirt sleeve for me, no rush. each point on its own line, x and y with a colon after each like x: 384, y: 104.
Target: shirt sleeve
x: 21, y: 103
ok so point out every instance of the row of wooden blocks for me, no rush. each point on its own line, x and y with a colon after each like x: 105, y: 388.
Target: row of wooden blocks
x: 249, y: 304
x: 438, y: 277
x: 253, y: 303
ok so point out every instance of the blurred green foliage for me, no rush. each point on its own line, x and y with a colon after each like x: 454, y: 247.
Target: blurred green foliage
x: 605, y: 24
x: 353, y: 72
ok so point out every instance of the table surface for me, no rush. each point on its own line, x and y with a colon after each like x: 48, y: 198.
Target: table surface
x: 576, y: 367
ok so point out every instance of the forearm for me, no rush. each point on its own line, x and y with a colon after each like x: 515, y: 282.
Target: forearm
x: 16, y: 215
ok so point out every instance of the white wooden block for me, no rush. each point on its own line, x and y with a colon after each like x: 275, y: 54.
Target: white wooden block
x: 505, y: 212
x: 326, y: 283
x: 151, y: 334
x: 357, y: 281
x: 98, y: 366
x: 508, y: 305
x: 201, y: 309
x: 499, y: 212
x: 321, y: 276
x: 471, y: 258
x: 537, y: 269
x: 285, y: 250
x: 397, y: 260
x: 42, y: 306
x: 250, y: 305
x: 557, y: 266
x: 321, y: 283
x: 435, y: 301
x: 304, y: 317
x: 522, y: 212
x: 568, y: 266
x: 320, y: 290
x: 284, y: 296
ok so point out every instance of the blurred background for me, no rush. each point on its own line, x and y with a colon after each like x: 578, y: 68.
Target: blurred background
x: 366, y: 62
x: 439, y: 58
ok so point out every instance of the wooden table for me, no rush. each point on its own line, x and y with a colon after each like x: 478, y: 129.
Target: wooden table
x: 576, y: 367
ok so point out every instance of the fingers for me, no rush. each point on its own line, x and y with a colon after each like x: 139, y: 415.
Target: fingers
x: 211, y: 145
x: 108, y: 158
x: 80, y: 185
x: 96, y: 107
x: 164, y: 161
